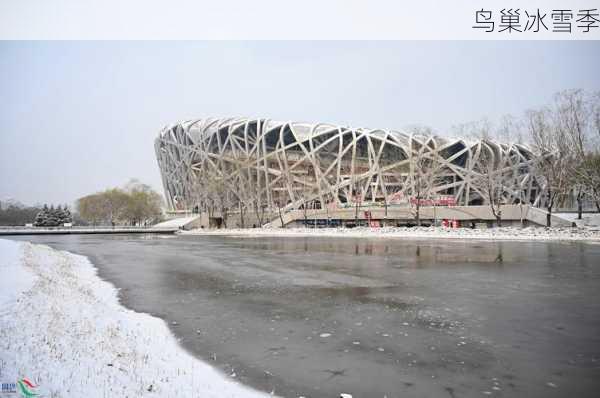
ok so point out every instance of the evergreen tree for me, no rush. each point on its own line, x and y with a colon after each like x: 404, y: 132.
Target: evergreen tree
x: 52, y: 219
x: 52, y: 216
x: 60, y: 216
x: 68, y: 216
x: 40, y: 218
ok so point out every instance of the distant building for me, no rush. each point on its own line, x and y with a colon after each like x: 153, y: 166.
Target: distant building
x: 260, y: 163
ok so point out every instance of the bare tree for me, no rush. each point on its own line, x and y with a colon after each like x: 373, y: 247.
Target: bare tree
x: 595, y: 115
x: 476, y: 130
x: 90, y: 208
x: 219, y: 194
x: 306, y: 193
x: 518, y: 192
x: 588, y: 172
x: 144, y: 205
x: 554, y: 157
x: 258, y: 206
x: 357, y: 193
x: 284, y: 181
x: 572, y: 121
x: 259, y: 212
x: 578, y: 121
x: 115, y: 203
x: 240, y: 197
x: 114, y: 206
x: 589, y: 176
x: 242, y: 213
x: 490, y: 178
x: 509, y: 130
x: 426, y: 174
x: 205, y: 197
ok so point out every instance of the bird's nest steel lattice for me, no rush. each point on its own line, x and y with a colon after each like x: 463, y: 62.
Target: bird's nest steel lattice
x: 260, y: 163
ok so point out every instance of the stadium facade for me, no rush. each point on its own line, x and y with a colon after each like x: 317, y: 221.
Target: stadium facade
x: 248, y: 164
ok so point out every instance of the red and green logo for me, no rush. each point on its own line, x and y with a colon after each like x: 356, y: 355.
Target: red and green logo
x: 27, y: 388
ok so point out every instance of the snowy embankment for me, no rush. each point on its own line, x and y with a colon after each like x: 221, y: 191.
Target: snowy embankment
x: 531, y: 233
x: 63, y: 328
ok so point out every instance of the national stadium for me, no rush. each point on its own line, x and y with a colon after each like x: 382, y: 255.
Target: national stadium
x: 264, y: 172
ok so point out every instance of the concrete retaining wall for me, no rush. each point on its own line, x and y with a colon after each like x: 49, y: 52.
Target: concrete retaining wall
x: 511, y: 214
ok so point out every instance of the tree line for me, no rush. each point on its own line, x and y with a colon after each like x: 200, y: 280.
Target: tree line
x: 13, y: 213
x: 16, y: 214
x: 565, y: 134
x: 134, y: 204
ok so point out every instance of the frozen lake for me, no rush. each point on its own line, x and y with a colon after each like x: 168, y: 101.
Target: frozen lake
x: 316, y: 317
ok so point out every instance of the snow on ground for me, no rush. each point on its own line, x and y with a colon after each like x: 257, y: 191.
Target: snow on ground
x: 506, y: 233
x: 176, y: 222
x: 14, y: 279
x: 587, y: 219
x: 62, y: 327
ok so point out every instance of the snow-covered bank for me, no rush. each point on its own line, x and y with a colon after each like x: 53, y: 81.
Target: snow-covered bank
x: 560, y: 234
x: 63, y: 328
x: 587, y: 219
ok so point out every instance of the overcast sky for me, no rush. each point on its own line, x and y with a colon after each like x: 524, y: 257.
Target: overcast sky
x: 78, y: 117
